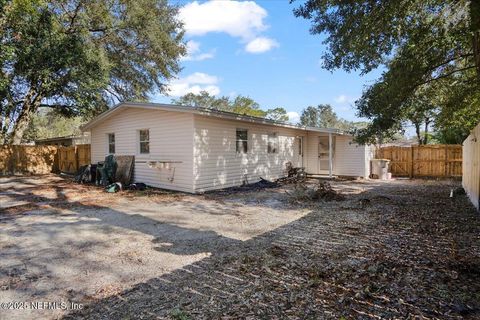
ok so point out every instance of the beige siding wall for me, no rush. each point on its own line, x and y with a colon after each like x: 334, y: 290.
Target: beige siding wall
x: 311, y: 153
x: 370, y: 152
x: 171, y: 139
x: 350, y: 158
x: 217, y: 164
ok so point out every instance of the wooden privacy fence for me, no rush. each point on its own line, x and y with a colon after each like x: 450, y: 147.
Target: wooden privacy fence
x: 471, y: 166
x: 42, y: 159
x: 438, y: 160
x: 70, y: 159
x: 27, y: 159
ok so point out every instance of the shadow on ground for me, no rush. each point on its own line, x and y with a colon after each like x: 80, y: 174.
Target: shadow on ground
x: 409, y: 252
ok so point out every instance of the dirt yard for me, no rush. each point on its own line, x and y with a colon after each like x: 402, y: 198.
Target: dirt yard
x: 398, y: 249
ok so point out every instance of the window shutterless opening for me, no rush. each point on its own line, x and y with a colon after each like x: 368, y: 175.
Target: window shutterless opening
x: 144, y: 141
x: 111, y: 142
x: 272, y: 143
x: 242, y: 141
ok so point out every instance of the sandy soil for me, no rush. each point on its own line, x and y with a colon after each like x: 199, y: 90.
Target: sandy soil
x: 66, y: 242
x: 392, y: 250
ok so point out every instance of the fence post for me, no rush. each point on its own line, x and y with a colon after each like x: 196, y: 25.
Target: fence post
x: 76, y: 159
x: 446, y: 160
x: 411, y: 167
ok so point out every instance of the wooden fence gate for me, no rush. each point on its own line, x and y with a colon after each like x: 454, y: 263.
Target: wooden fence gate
x: 72, y: 158
x: 438, y: 160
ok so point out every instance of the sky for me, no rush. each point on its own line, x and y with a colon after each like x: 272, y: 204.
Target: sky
x: 261, y: 50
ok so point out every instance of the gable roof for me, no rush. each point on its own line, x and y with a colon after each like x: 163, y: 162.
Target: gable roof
x: 200, y: 111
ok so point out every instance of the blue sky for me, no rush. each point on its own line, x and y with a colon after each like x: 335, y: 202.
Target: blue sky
x: 260, y: 49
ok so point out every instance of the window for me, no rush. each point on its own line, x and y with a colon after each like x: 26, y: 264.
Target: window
x: 111, y: 143
x: 144, y: 139
x: 242, y: 140
x: 300, y: 146
x: 272, y: 143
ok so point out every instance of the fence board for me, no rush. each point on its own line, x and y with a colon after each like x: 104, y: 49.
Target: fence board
x: 424, y: 161
x: 471, y: 166
x: 72, y: 158
x: 18, y: 159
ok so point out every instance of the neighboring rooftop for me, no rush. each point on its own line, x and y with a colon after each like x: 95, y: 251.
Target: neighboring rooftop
x: 70, y: 140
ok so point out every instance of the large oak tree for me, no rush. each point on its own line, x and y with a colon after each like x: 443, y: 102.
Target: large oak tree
x: 421, y: 43
x: 82, y: 56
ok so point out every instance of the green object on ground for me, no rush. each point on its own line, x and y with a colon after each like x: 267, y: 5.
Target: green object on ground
x: 106, y: 172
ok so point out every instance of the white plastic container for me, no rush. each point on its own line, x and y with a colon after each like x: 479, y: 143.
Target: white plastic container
x: 379, y: 169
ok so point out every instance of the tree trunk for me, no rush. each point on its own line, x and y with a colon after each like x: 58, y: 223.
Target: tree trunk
x: 475, y: 28
x: 425, y: 137
x: 417, y: 131
x: 29, y: 107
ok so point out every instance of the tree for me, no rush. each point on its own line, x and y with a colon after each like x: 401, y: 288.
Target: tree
x: 240, y: 104
x: 247, y: 106
x: 277, y: 114
x: 49, y: 123
x: 82, y: 56
x: 204, y: 100
x: 421, y: 43
x: 323, y: 116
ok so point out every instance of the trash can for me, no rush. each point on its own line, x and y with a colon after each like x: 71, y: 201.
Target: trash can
x: 379, y: 169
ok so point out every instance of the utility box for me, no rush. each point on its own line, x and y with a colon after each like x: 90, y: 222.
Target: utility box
x: 379, y: 169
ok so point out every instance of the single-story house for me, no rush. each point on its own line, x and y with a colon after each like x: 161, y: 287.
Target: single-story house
x: 196, y: 149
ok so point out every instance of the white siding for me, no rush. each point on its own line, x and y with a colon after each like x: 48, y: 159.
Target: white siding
x: 171, y: 139
x: 370, y: 152
x: 351, y: 159
x: 217, y: 164
x: 311, y: 152
x: 206, y: 148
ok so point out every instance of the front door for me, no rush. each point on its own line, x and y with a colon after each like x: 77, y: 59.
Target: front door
x: 324, y: 154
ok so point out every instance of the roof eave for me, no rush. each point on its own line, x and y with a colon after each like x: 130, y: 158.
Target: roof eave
x: 204, y: 112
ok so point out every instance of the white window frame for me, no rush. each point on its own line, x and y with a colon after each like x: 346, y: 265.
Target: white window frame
x: 272, y: 143
x: 237, y: 140
x: 143, y: 141
x: 110, y: 143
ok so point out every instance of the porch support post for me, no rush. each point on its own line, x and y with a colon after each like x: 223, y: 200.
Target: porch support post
x: 330, y: 150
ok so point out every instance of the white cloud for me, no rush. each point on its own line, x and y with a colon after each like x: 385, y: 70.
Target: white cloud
x: 194, y: 53
x: 239, y: 19
x: 293, y: 117
x: 192, y: 47
x: 194, y: 83
x: 344, y: 99
x: 260, y: 45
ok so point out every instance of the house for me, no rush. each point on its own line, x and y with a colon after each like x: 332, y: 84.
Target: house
x: 195, y: 149
x: 65, y: 141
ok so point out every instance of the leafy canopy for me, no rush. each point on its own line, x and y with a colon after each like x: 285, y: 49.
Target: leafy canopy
x: 323, y: 116
x: 50, y: 123
x: 240, y: 104
x: 82, y: 56
x: 421, y: 43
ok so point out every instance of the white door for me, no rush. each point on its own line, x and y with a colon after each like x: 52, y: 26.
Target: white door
x: 324, y: 154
